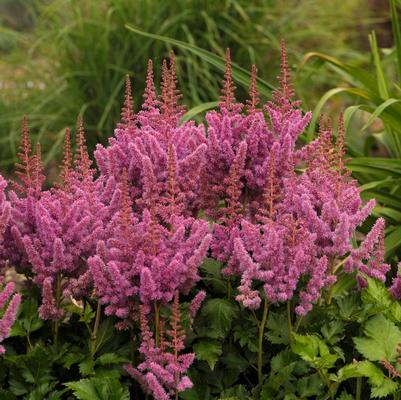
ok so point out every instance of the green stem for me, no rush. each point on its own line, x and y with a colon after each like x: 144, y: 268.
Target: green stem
x: 260, y: 341
x: 28, y: 339
x: 229, y: 288
x: 157, y: 323
x: 289, y: 322
x: 298, y: 323
x: 327, y: 382
x: 358, y: 388
x: 95, y: 329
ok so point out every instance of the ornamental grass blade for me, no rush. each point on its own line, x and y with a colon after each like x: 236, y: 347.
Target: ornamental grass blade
x: 199, y: 109
x: 240, y: 75
x: 377, y: 112
x: 381, y: 81
x: 396, y: 34
x: 351, y: 72
x: 393, y: 241
x: 324, y: 99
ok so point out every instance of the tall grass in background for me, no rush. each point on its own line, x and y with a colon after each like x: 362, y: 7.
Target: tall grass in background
x: 74, y: 60
x: 373, y: 118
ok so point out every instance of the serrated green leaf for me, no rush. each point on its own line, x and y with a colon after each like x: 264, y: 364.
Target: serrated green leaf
x: 377, y: 297
x: 208, y: 350
x: 277, y: 333
x: 212, y: 268
x: 99, y: 389
x: 348, y: 306
x: 385, y: 389
x: 361, y: 369
x: 110, y: 358
x: 381, y: 339
x: 345, y: 396
x: 41, y: 391
x: 235, y: 361
x: 28, y: 320
x: 246, y: 334
x: 56, y: 395
x: 282, y: 359
x: 312, y: 349
x: 305, y: 346
x: 72, y: 358
x: 311, y: 385
x: 238, y: 392
x: 87, y: 367
x: 219, y: 313
x: 343, y: 284
x: 333, y: 332
x: 31, y: 372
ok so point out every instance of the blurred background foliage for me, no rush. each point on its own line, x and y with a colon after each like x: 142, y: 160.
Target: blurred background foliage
x: 62, y: 58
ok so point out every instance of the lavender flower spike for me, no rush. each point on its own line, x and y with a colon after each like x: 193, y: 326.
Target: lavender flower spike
x: 10, y: 313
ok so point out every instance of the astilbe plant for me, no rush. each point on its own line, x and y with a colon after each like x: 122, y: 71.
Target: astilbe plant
x: 281, y: 218
x: 142, y: 144
x: 58, y: 228
x: 153, y: 245
x: 23, y: 197
x: 163, y: 373
x: 143, y: 261
x: 298, y: 224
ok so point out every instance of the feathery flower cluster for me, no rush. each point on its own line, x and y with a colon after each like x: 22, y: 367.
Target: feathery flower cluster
x: 142, y: 260
x: 231, y: 133
x: 154, y: 145
x: 372, y: 252
x: 163, y: 373
x: 10, y: 303
x: 290, y: 213
x: 56, y: 230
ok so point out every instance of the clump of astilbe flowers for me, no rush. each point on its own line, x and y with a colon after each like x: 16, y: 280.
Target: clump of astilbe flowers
x: 142, y: 265
x: 145, y: 261
x: 153, y: 247
x: 283, y: 218
x: 163, y: 372
x: 230, y: 129
x: 10, y: 303
x: 302, y: 223
x: 64, y: 224
x: 23, y: 197
x: 143, y: 141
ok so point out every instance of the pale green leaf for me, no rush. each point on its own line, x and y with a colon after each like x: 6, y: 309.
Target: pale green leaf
x: 380, y: 341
